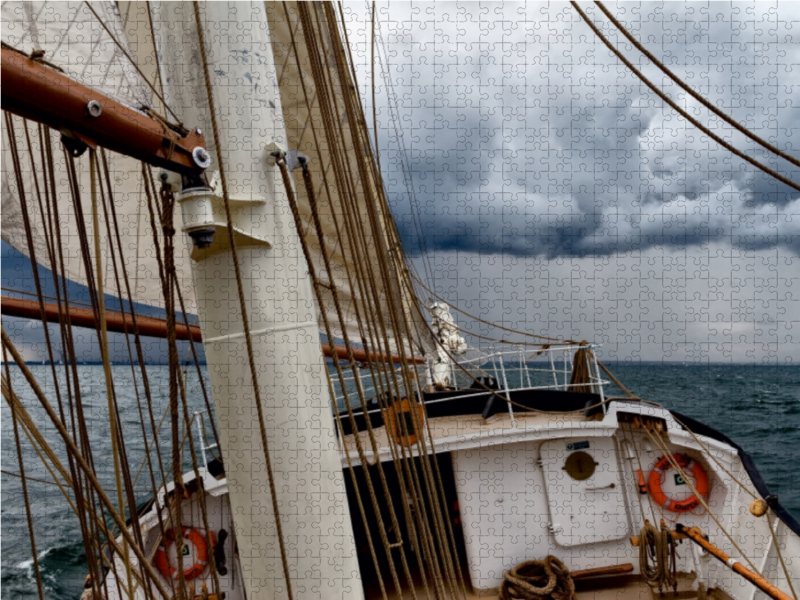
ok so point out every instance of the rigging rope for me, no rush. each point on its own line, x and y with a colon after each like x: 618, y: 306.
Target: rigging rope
x: 485, y: 322
x: 657, y: 557
x: 316, y: 284
x: 82, y: 463
x: 104, y: 354
x: 662, y: 446
x: 25, y: 497
x: 389, y: 269
x: 780, y: 554
x: 678, y: 109
x: 325, y: 96
x: 179, y: 126
x: 733, y: 123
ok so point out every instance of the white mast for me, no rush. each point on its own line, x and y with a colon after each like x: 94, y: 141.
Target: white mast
x: 304, y: 452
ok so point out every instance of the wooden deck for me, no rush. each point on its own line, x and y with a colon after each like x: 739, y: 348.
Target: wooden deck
x: 627, y: 587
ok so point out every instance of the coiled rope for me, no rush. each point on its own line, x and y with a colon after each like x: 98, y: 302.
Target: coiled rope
x: 534, y: 579
x: 657, y: 557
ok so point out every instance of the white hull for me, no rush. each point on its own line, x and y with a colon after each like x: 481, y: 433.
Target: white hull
x: 517, y: 503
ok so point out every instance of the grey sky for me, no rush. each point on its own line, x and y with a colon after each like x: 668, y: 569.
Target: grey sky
x: 553, y: 192
x: 559, y: 195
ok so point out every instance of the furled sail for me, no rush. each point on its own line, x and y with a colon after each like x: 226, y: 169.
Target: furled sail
x: 323, y: 125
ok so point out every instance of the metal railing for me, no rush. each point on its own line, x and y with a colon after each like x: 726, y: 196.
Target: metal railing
x: 512, y: 369
x: 199, y: 417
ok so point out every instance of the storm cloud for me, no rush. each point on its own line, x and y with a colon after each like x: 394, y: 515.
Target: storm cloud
x: 525, y: 136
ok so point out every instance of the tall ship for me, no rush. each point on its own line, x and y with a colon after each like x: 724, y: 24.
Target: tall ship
x: 215, y: 159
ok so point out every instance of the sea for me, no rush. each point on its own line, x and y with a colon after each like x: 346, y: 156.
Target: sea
x: 757, y: 406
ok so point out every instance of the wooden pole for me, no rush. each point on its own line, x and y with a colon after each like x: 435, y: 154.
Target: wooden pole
x: 694, y: 534
x: 150, y: 326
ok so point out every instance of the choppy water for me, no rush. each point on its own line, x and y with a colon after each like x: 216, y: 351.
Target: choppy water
x: 756, y: 406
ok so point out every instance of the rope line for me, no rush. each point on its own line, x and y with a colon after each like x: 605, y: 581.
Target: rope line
x: 179, y: 126
x: 678, y: 109
x: 242, y: 304
x: 732, y: 122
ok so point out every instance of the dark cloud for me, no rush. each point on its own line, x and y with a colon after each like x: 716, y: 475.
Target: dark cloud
x: 526, y: 136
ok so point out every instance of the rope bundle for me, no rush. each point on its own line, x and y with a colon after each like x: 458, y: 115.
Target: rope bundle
x: 535, y: 579
x: 658, y: 547
x: 581, y: 377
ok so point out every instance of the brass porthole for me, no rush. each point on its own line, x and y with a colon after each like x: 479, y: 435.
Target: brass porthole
x: 580, y: 465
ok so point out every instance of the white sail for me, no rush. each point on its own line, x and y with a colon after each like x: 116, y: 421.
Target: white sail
x: 85, y: 50
x: 72, y: 39
x: 305, y: 128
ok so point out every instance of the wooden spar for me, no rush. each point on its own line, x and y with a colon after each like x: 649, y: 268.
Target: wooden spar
x: 34, y: 91
x: 149, y: 326
x: 621, y: 569
x: 694, y: 534
x: 84, y: 317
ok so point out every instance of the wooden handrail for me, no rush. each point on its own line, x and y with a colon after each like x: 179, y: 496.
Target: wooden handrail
x: 694, y: 534
x: 621, y: 569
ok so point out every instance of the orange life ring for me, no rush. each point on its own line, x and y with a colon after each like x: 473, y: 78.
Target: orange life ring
x: 686, y: 463
x: 403, y: 419
x: 198, y: 541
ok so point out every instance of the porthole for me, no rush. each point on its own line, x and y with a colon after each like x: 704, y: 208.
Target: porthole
x: 580, y: 465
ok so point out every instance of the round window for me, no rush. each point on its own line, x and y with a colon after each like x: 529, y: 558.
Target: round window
x: 580, y: 465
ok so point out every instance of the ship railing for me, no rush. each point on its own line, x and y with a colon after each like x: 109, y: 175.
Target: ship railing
x: 371, y: 384
x: 517, y: 368
x: 201, y: 438
x: 514, y: 368
x: 499, y: 364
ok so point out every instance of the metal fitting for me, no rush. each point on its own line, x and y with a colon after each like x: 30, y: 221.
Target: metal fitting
x: 94, y: 109
x: 202, y: 238
x: 201, y: 157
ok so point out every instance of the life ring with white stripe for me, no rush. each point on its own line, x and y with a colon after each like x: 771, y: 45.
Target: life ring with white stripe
x: 687, y: 464
x: 190, y: 535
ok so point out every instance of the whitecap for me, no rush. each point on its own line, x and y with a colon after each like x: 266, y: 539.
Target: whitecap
x: 27, y: 565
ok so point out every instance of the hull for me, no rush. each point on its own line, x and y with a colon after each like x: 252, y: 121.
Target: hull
x: 515, y: 494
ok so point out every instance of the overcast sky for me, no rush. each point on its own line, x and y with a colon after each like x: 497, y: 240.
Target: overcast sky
x: 558, y: 194
x: 553, y: 192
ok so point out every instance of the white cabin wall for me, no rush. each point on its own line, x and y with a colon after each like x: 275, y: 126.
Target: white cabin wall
x: 505, y: 515
x: 505, y: 511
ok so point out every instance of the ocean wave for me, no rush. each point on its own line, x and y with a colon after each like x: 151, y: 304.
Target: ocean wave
x: 28, y: 564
